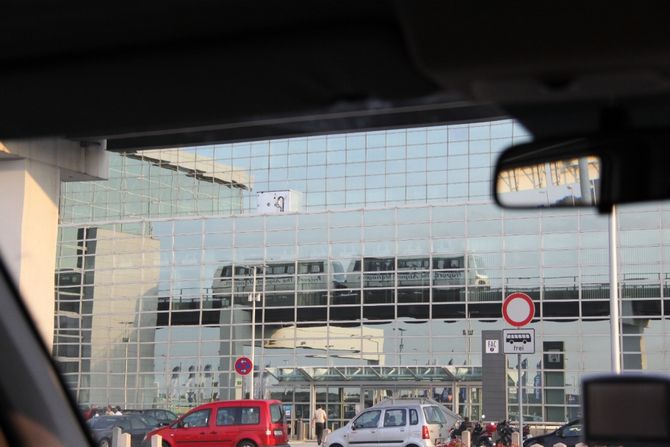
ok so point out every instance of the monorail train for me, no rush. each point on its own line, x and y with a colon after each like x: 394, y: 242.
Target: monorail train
x: 417, y: 272
x: 279, y: 276
x: 328, y: 275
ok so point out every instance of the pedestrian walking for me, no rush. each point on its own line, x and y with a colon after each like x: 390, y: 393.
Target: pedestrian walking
x: 320, y: 418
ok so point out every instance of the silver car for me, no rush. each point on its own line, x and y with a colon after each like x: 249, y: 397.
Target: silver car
x: 396, y: 423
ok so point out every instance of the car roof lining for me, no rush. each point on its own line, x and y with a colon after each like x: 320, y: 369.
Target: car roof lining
x: 165, y: 73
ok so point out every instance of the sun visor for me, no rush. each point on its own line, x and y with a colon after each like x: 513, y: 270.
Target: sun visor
x: 528, y: 52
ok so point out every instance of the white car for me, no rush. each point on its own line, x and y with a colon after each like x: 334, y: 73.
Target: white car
x: 420, y: 423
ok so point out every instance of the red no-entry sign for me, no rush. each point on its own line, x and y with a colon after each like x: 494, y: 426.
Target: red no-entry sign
x: 518, y: 309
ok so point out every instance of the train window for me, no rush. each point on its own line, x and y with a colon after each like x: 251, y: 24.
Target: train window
x: 310, y: 267
x: 379, y: 264
x: 414, y: 264
x: 448, y: 263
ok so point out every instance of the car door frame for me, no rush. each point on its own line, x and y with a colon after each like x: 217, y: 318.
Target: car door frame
x: 392, y: 435
x: 193, y: 436
x: 364, y: 436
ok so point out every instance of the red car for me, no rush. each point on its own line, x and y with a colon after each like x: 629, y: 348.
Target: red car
x: 235, y: 423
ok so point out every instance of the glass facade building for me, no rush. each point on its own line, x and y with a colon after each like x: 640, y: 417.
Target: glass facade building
x: 379, y: 258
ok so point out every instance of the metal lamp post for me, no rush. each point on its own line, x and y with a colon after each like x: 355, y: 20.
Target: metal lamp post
x: 588, y: 194
x: 126, y: 341
x: 402, y: 344
x: 615, y: 319
x: 253, y: 298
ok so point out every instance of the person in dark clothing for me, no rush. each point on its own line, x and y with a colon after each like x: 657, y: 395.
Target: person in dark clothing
x: 465, y: 425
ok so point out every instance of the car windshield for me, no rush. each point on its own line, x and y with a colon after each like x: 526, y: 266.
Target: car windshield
x: 384, y: 236
x: 392, y: 267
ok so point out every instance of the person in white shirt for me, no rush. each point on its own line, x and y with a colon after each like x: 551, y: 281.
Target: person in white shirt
x: 319, y: 419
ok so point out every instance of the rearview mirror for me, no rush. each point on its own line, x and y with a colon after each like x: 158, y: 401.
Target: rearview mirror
x: 562, y: 182
x: 594, y: 171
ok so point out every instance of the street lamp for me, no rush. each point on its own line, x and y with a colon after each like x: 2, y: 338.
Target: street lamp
x: 402, y: 345
x: 166, y: 379
x: 468, y: 332
x: 126, y: 341
x: 253, y: 298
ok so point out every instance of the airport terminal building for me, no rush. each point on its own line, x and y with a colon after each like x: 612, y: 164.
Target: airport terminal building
x: 379, y: 259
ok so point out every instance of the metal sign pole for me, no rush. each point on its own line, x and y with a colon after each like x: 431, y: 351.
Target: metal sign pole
x: 253, y: 334
x: 520, y: 394
x: 518, y: 310
x: 615, y: 319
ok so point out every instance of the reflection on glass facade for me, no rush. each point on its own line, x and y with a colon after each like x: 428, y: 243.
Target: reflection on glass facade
x: 377, y: 282
x: 157, y: 183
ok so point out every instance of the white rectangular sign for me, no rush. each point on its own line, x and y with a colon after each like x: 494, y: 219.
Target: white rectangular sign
x: 492, y: 347
x: 277, y: 202
x: 519, y: 341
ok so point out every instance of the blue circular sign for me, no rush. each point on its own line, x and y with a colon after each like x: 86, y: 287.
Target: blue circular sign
x: 243, y: 365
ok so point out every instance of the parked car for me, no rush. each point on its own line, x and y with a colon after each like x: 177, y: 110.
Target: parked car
x: 569, y: 434
x: 163, y: 417
x: 417, y: 422
x: 236, y: 423
x: 102, y: 427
